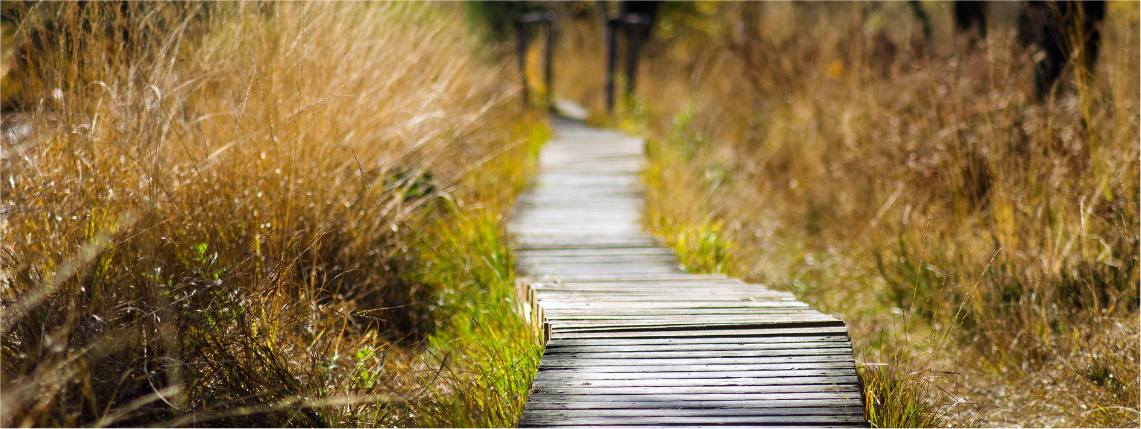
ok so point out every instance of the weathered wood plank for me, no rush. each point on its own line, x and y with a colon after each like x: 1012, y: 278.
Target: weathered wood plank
x: 696, y: 397
x: 668, y: 286
x: 696, y: 426
x: 709, y: 412
x: 589, y: 253
x: 735, y: 333
x: 632, y: 303
x: 559, y: 243
x: 550, y: 381
x: 637, y: 403
x: 721, y: 348
x: 557, y: 421
x: 682, y: 313
x: 634, y: 326
x: 687, y: 317
x: 575, y: 271
x: 698, y: 408
x: 710, y: 280
x: 722, y: 354
x: 664, y: 364
x: 852, y: 389
x: 619, y: 298
x: 634, y: 307
x: 627, y: 373
x: 528, y: 262
x: 664, y: 289
x: 782, y: 366
x: 713, y: 342
x: 570, y: 301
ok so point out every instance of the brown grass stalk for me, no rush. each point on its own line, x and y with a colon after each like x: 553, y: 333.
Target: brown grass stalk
x: 208, y: 209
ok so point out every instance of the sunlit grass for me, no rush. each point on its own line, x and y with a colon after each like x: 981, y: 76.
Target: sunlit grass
x: 224, y: 214
x: 921, y: 193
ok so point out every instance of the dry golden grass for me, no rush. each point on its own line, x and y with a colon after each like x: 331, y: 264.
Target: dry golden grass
x: 982, y: 245
x: 220, y: 213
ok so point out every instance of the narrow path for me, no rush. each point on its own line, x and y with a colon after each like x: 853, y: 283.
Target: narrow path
x: 634, y: 340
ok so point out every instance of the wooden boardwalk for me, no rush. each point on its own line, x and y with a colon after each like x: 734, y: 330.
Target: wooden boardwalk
x: 633, y: 340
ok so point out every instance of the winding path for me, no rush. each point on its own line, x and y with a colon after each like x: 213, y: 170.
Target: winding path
x: 631, y: 339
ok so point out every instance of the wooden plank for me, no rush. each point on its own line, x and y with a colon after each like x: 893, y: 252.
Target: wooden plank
x: 539, y: 243
x: 698, y: 409
x: 532, y: 261
x: 699, y: 426
x: 740, y: 367
x: 574, y: 253
x: 664, y: 290
x: 615, y: 323
x: 711, y: 291
x: 696, y: 397
x: 722, y: 354
x: 665, y: 293
x: 569, y: 302
x: 560, y: 347
x: 662, y: 287
x: 668, y: 323
x: 713, y: 332
x: 666, y: 280
x: 620, y: 297
x: 638, y: 403
x: 626, y: 373
x: 712, y: 279
x: 679, y: 313
x: 708, y: 412
x: 551, y: 381
x: 851, y: 389
x: 660, y: 363
x: 777, y: 341
x: 616, y: 277
x: 633, y: 307
x: 556, y: 421
x: 690, y: 317
x: 677, y: 327
x: 575, y: 271
x: 595, y: 269
x: 680, y: 285
x: 697, y: 349
x: 663, y: 299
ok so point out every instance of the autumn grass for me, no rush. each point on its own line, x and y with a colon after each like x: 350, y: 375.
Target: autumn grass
x: 259, y: 214
x: 981, y: 246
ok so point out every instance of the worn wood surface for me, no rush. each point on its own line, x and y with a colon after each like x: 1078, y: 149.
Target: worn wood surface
x: 634, y: 340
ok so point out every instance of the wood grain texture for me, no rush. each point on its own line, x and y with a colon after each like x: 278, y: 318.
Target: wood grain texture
x: 634, y: 340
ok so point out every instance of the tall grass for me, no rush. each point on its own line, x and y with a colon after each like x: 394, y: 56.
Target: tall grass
x: 983, y: 245
x: 221, y: 213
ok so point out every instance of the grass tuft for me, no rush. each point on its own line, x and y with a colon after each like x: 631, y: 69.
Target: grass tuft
x: 216, y: 214
x: 918, y: 190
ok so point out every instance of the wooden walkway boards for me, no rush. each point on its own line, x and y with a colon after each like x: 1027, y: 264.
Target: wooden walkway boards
x: 632, y: 340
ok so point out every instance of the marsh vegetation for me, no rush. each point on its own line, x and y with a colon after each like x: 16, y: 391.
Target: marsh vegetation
x: 258, y: 214
x: 981, y: 245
